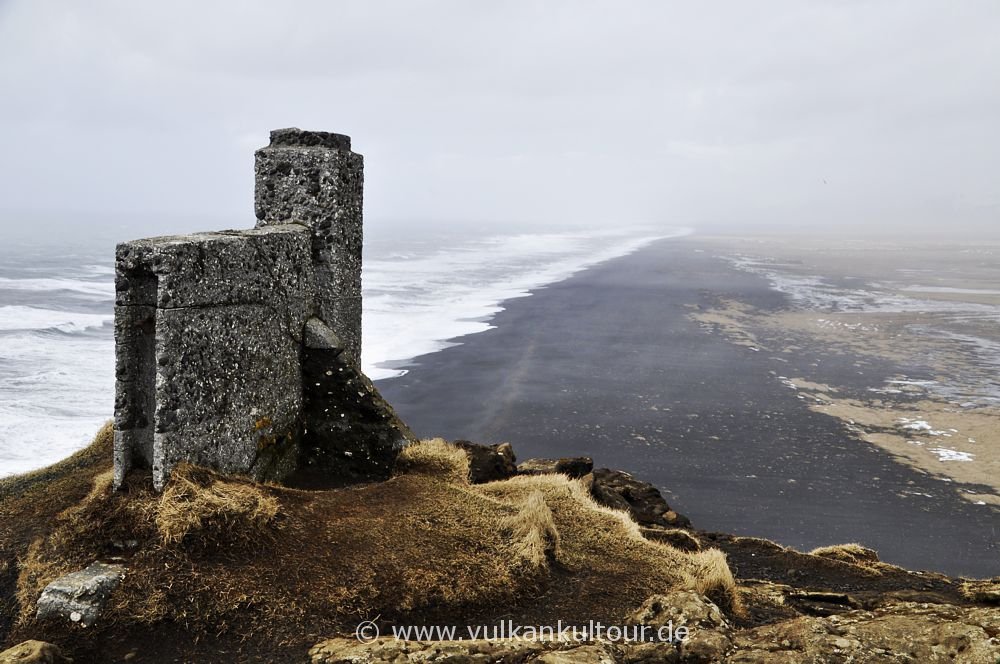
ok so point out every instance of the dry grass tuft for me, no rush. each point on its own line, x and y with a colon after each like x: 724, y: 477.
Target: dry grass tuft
x: 603, y: 541
x: 675, y: 537
x: 200, y: 503
x: 985, y: 591
x: 36, y: 572
x: 536, y: 540
x: 434, y: 457
x: 713, y: 579
x: 848, y: 553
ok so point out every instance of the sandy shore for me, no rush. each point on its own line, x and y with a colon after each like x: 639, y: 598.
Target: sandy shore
x: 625, y: 362
x: 929, y: 310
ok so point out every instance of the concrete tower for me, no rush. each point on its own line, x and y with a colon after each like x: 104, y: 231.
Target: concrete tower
x: 313, y: 178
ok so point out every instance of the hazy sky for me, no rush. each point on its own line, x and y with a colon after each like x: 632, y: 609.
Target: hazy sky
x: 804, y: 113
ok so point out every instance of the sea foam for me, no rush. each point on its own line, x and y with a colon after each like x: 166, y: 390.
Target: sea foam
x: 421, y: 302
x: 57, y: 343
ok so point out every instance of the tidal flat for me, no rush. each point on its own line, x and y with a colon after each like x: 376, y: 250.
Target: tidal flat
x: 931, y: 309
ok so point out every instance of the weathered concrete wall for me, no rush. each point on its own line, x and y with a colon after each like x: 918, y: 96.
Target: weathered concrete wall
x: 209, y: 332
x: 238, y: 350
x: 313, y: 178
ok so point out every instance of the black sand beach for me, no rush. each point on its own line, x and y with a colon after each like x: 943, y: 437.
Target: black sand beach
x: 607, y: 364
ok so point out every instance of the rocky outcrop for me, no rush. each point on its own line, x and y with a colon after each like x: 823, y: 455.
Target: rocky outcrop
x: 489, y: 463
x: 836, y: 604
x: 80, y: 597
x: 681, y: 607
x: 570, y: 466
x: 620, y: 490
x: 34, y: 652
x: 706, y: 635
x: 350, y: 432
x: 904, y: 632
x: 349, y: 651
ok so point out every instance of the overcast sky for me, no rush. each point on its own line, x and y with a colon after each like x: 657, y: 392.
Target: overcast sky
x: 808, y: 114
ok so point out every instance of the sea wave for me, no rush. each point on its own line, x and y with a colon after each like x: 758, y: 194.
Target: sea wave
x: 418, y: 303
x: 97, y: 290
x: 54, y: 395
x: 57, y: 366
x: 23, y: 318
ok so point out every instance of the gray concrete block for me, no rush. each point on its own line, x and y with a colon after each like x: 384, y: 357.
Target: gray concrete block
x: 229, y: 391
x: 211, y: 374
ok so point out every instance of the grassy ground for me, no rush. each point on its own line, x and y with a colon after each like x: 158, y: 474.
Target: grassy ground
x: 30, y: 503
x: 221, y: 568
x: 232, y: 565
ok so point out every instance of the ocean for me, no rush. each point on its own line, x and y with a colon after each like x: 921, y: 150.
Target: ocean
x: 421, y: 294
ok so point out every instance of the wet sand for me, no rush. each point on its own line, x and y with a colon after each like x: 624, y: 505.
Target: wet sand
x: 611, y: 363
x: 927, y: 309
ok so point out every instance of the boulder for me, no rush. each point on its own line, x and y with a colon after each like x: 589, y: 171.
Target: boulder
x: 706, y: 635
x: 574, y: 467
x: 599, y: 653
x: 680, y: 608
x: 821, y: 603
x: 34, y: 652
x: 651, y: 653
x: 619, y: 490
x: 80, y: 597
x: 705, y: 646
x: 489, y: 463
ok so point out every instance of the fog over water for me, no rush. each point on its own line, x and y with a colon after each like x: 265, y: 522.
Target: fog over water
x: 132, y: 119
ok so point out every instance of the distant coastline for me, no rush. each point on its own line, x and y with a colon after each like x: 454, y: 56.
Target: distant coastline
x: 611, y: 363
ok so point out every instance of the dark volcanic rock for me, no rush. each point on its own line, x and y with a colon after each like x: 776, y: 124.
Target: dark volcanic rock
x: 619, y: 490
x: 295, y: 137
x: 351, y: 432
x: 571, y: 466
x: 488, y: 463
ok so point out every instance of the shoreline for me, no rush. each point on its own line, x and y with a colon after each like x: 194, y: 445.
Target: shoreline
x: 608, y: 363
x: 941, y: 412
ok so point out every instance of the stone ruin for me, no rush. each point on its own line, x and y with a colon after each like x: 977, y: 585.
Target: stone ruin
x: 240, y: 350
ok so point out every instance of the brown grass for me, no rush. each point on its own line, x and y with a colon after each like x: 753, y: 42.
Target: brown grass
x: 985, y: 591
x: 848, y: 553
x: 65, y: 472
x: 714, y: 580
x: 434, y: 457
x: 536, y: 540
x: 198, y: 503
x: 600, y: 540
x: 273, y: 569
x: 29, y: 505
